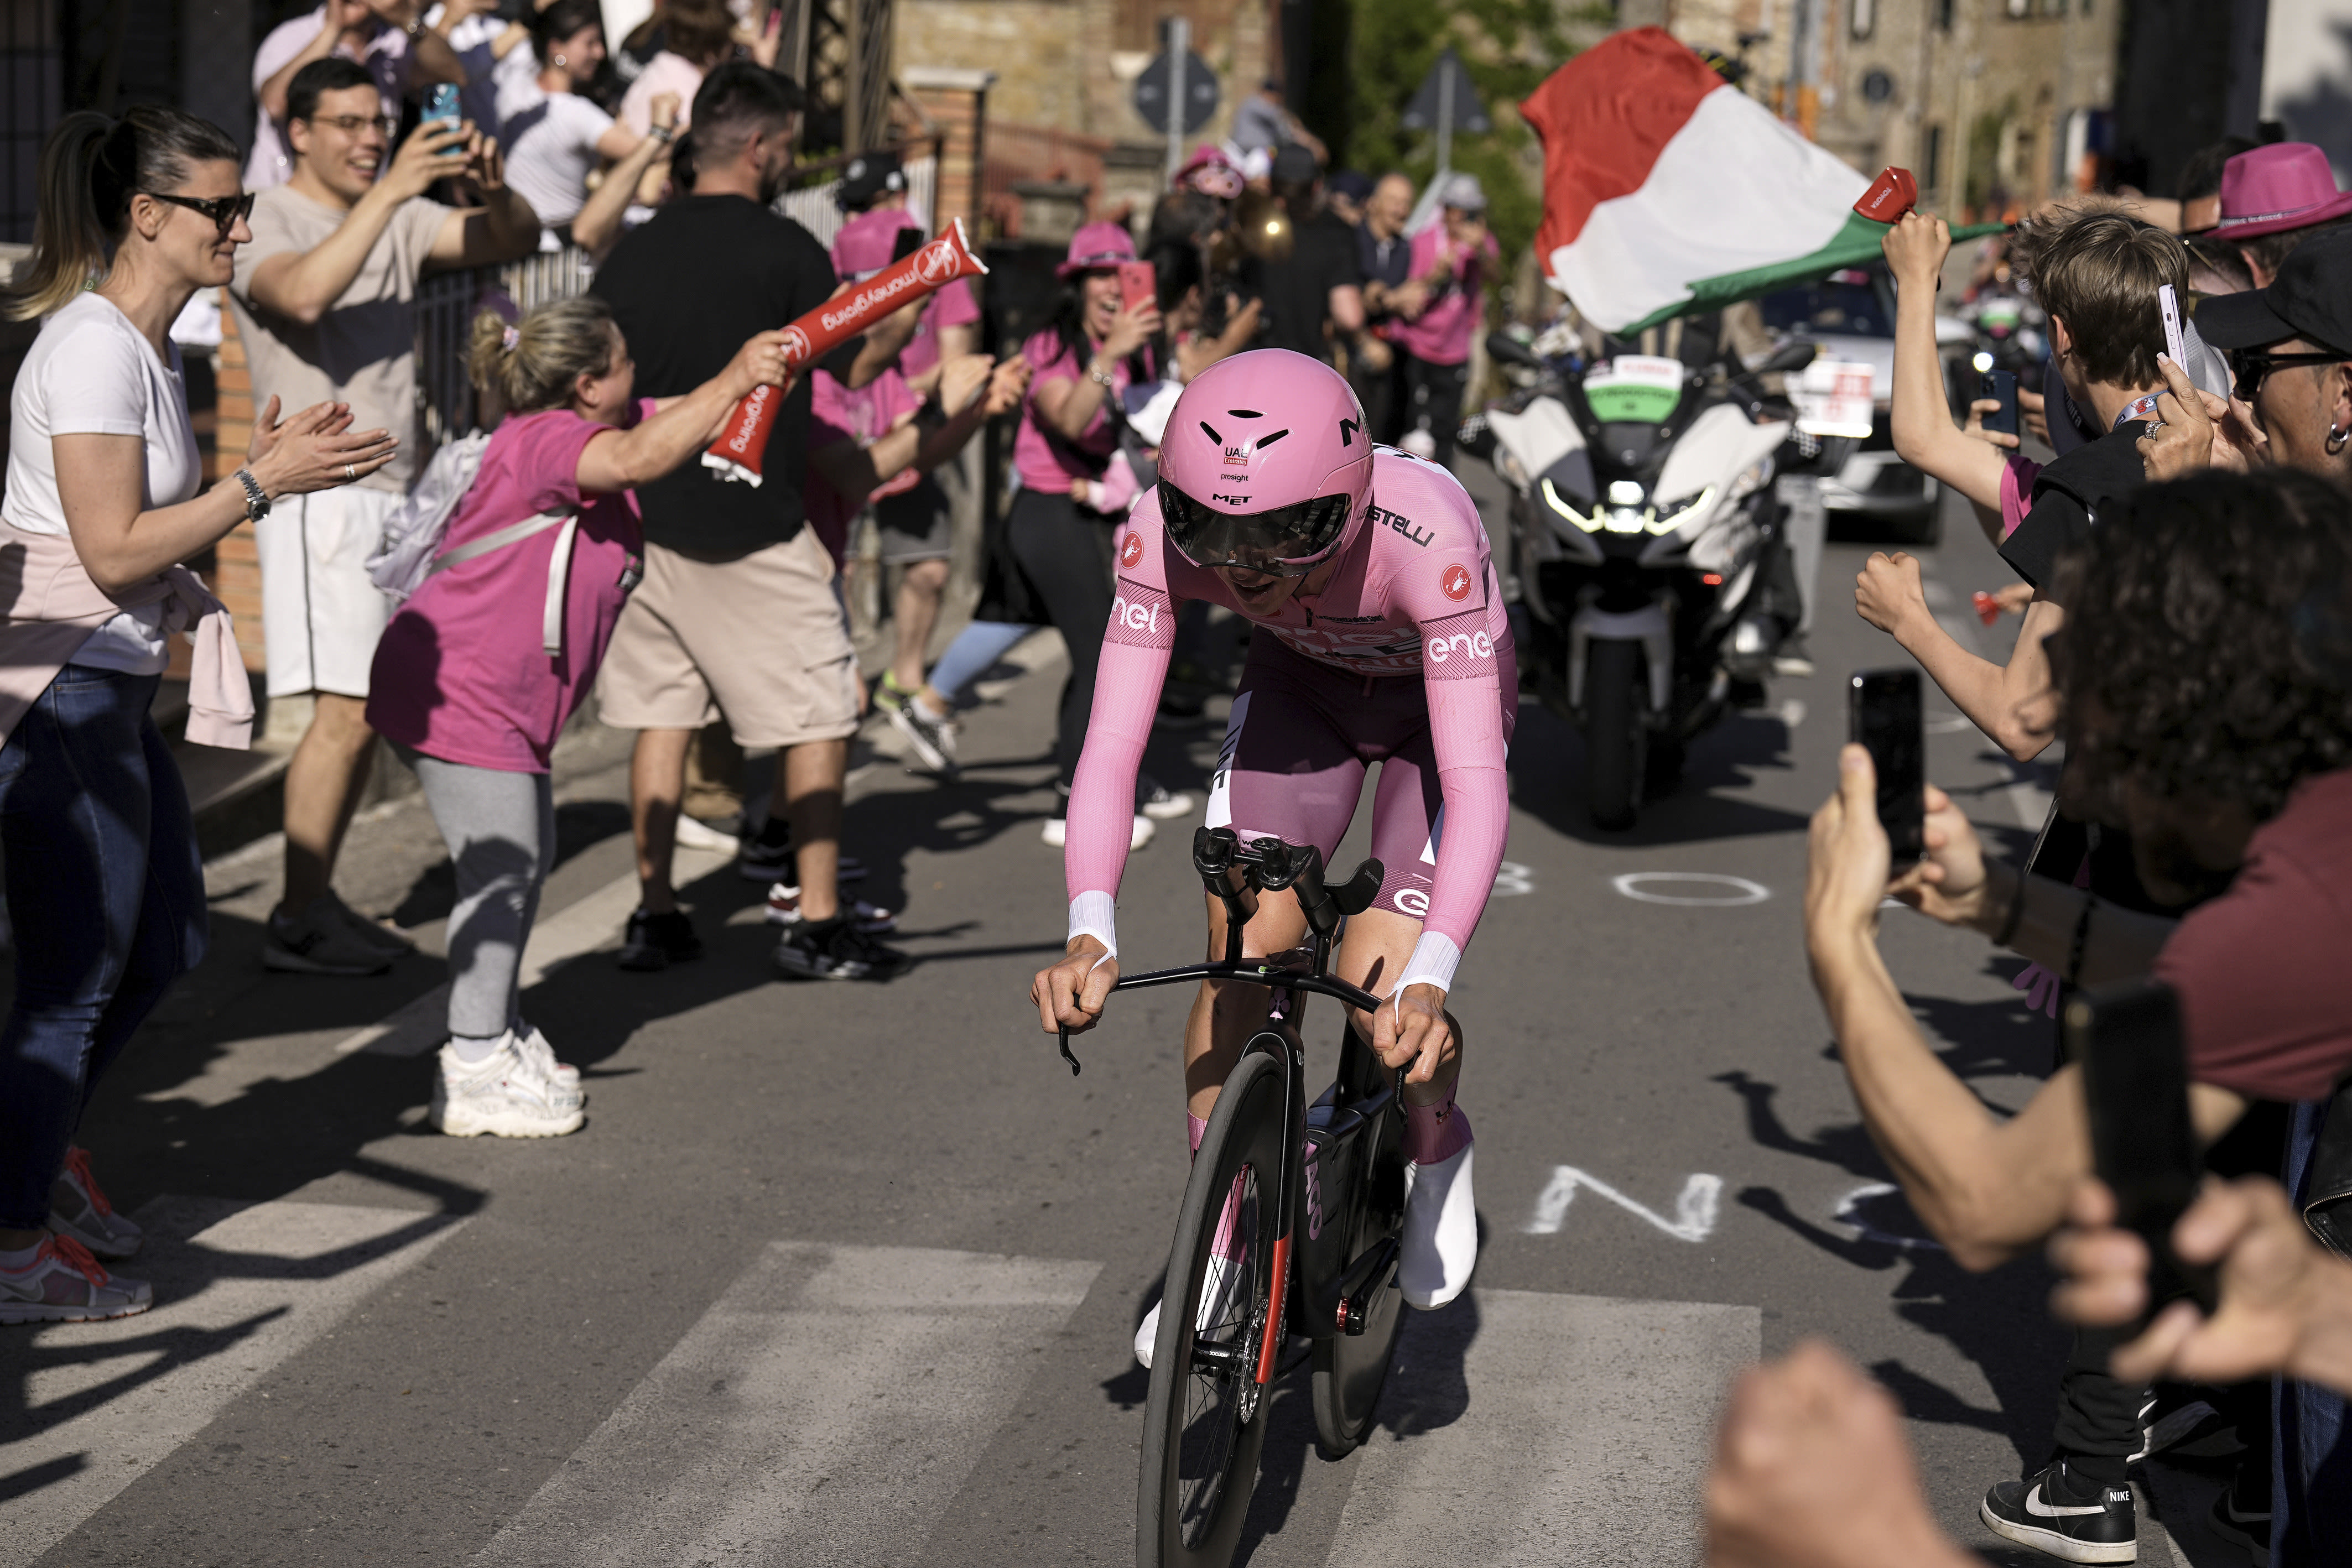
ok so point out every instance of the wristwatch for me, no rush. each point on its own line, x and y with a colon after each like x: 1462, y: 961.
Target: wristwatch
x: 257, y: 500
x: 662, y: 133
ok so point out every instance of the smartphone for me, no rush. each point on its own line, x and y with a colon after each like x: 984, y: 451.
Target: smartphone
x: 441, y: 104
x: 2135, y: 1061
x: 1884, y: 715
x: 2002, y: 387
x: 2168, y: 303
x: 908, y: 242
x: 1139, y: 283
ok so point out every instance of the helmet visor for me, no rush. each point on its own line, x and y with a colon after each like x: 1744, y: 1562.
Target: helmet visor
x: 1283, y: 541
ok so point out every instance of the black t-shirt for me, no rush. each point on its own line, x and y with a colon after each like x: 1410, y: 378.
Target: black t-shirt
x: 2068, y: 496
x: 1387, y: 262
x: 1297, y: 291
x: 687, y: 288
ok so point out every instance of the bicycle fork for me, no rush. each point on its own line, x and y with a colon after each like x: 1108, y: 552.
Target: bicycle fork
x: 1287, y: 1199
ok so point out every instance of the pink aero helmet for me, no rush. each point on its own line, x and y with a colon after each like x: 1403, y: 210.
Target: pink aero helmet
x: 1264, y: 464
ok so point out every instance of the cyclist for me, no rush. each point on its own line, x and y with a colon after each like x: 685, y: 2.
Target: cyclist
x: 1388, y: 643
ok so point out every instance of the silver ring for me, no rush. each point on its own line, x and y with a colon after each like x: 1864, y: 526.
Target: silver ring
x: 350, y: 471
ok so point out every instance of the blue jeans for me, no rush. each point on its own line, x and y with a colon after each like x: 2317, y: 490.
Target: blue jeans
x: 977, y: 647
x: 106, y: 892
x: 2311, y: 1474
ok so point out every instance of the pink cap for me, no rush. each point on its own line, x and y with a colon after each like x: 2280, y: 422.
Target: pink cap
x: 1099, y: 244
x: 864, y: 245
x: 2269, y: 190
x: 1210, y: 171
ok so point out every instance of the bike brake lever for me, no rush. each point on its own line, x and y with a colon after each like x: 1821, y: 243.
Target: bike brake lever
x: 1068, y: 1055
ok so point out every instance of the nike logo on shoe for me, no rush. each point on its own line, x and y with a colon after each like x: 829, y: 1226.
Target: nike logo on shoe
x: 2035, y: 1506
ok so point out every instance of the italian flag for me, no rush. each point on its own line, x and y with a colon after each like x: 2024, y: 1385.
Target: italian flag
x: 1667, y: 189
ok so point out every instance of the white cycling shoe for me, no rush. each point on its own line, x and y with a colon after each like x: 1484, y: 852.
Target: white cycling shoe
x: 1439, y: 1247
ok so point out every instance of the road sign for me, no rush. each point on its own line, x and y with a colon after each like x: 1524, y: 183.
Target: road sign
x: 1153, y: 92
x: 1447, y: 101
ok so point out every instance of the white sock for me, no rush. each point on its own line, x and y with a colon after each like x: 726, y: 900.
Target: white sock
x: 936, y: 714
x: 19, y: 1262
x: 473, y: 1050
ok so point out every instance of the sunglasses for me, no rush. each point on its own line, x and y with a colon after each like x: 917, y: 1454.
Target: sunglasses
x: 224, y: 210
x: 2253, y: 368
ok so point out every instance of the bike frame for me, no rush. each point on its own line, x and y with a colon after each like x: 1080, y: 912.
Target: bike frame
x: 1269, y: 865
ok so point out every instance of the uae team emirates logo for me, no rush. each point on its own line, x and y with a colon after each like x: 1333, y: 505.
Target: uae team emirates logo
x: 1132, y: 550
x: 1455, y: 583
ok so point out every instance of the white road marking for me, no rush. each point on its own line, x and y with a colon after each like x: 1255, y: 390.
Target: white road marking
x: 581, y: 927
x: 822, y: 1412
x: 238, y: 1289
x: 1634, y: 884
x: 1694, y: 1209
x: 1865, y: 1231
x: 1513, y: 880
x: 1531, y: 1430
x: 1791, y: 712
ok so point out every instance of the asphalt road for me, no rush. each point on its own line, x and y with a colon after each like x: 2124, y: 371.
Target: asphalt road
x: 847, y: 1273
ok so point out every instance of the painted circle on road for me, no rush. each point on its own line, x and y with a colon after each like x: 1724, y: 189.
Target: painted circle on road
x: 1731, y: 891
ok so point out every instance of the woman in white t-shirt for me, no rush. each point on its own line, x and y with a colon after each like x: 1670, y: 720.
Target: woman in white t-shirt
x: 104, y: 887
x: 556, y: 138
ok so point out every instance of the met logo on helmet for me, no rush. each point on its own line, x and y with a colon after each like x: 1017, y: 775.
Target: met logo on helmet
x: 1455, y: 583
x: 1131, y: 550
x: 1232, y: 500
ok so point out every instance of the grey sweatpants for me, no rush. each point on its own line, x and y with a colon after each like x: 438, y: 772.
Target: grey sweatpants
x: 500, y: 830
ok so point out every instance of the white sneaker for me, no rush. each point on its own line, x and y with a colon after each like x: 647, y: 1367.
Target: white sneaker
x: 692, y: 833
x: 67, y: 1285
x: 1440, y: 1244
x: 1057, y: 832
x: 536, y: 1051
x: 1155, y: 799
x: 505, y: 1094
x: 78, y: 1211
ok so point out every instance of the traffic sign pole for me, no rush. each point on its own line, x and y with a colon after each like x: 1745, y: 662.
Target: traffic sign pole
x: 1179, y: 50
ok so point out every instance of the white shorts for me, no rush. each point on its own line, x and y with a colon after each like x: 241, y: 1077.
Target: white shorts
x: 320, y: 616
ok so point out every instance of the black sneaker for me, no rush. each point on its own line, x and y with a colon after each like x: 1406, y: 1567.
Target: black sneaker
x: 763, y: 862
x: 835, y: 949
x: 2071, y: 1518
x: 2248, y: 1529
x: 657, y: 941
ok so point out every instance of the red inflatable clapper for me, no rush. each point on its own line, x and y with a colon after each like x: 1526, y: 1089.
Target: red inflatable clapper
x: 743, y: 445
x: 1988, y: 607
x: 1892, y: 194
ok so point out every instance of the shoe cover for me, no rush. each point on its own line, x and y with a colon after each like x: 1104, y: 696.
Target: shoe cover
x: 1440, y: 1244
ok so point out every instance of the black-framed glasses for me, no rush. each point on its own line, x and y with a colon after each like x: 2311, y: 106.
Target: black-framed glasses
x: 224, y: 210
x: 2253, y: 366
x: 352, y: 125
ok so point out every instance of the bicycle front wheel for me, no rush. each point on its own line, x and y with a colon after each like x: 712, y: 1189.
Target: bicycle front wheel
x: 1205, y: 1422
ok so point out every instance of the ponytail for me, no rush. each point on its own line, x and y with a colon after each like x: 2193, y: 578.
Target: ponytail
x: 535, y: 363
x: 91, y: 168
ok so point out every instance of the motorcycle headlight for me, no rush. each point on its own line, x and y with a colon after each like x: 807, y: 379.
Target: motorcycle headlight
x: 1566, y: 509
x: 1665, y: 519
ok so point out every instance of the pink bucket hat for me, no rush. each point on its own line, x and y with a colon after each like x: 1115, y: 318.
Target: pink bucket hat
x: 2286, y: 185
x: 1097, y: 246
x: 1211, y: 173
x: 863, y: 246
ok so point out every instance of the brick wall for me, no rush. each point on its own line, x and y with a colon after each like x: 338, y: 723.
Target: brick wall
x: 237, y: 573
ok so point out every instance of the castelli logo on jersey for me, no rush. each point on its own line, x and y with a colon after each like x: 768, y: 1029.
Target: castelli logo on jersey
x: 795, y: 346
x: 1131, y: 550
x: 1455, y: 583
x: 939, y: 263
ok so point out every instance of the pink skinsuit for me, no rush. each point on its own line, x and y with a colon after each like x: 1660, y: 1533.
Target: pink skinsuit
x: 1404, y: 658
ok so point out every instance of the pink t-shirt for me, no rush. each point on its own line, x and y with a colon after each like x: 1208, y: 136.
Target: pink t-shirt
x: 1442, y: 333
x: 460, y: 672
x: 864, y: 415
x: 1048, y: 462
x: 1413, y: 594
x: 665, y: 72
x: 952, y: 306
x: 2017, y: 477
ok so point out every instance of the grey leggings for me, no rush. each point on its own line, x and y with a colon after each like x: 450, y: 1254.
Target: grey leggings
x: 500, y: 830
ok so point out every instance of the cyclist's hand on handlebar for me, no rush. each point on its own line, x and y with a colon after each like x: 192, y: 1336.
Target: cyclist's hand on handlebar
x: 1070, y: 995
x: 1411, y: 1032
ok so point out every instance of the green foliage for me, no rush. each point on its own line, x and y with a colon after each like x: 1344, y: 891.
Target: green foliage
x: 1510, y: 47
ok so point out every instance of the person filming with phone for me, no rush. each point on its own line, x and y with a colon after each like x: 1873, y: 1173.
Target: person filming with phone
x: 2205, y: 677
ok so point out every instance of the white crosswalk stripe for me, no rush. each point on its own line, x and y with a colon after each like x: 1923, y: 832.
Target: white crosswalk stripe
x: 823, y: 1411
x: 1544, y: 1429
x: 238, y: 1289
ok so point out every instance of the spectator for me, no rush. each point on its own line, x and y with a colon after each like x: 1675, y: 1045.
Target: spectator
x: 738, y: 614
x: 2096, y: 273
x: 1391, y: 297
x: 555, y: 139
x: 465, y: 686
x: 1316, y: 290
x: 871, y: 456
x: 2285, y: 1302
x: 612, y: 207
x: 2199, y: 187
x: 389, y: 37
x: 1346, y: 193
x: 1067, y: 453
x: 696, y: 36
x: 1263, y: 124
x: 1209, y: 173
x: 948, y: 326
x: 2207, y: 675
x: 325, y: 301
x: 489, y: 49
x: 2273, y: 199
x: 1450, y: 257
x: 2291, y: 345
x: 103, y: 881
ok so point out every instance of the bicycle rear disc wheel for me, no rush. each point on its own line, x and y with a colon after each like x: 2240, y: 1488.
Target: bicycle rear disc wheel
x: 1350, y: 1371
x: 1204, y: 1421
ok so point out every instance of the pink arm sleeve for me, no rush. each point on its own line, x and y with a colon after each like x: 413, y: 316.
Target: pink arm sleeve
x: 1465, y: 730
x: 1135, y: 652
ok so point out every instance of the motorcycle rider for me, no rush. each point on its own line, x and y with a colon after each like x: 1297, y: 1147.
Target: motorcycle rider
x: 1387, y: 642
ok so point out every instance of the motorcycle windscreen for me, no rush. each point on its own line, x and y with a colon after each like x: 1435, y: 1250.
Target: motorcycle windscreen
x: 1634, y: 388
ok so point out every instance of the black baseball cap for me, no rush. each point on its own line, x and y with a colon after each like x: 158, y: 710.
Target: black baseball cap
x: 2310, y: 298
x: 1294, y: 164
x: 867, y: 178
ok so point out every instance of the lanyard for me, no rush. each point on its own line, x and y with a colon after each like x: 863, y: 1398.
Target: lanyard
x: 2141, y: 408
